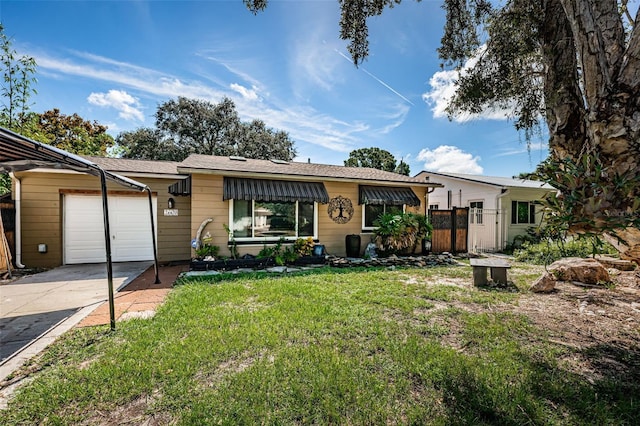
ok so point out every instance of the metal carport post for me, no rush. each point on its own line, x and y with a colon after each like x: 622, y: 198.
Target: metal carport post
x: 18, y: 153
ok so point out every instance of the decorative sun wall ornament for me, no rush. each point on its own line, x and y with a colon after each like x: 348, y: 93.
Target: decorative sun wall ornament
x: 340, y: 209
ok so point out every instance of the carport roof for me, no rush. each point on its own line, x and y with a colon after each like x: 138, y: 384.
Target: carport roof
x: 18, y: 153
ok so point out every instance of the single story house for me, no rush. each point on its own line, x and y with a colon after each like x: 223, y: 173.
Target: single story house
x: 252, y: 203
x: 501, y: 208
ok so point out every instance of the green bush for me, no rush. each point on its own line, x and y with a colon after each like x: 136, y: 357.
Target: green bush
x: 544, y: 253
x: 400, y: 233
x: 207, y: 250
x: 303, y: 246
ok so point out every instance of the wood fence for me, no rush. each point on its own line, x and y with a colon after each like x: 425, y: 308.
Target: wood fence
x: 450, y: 230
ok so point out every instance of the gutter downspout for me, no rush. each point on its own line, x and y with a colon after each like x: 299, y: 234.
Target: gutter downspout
x: 500, y: 226
x: 18, y: 220
x: 426, y: 199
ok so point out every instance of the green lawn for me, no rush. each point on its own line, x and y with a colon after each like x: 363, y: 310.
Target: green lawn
x: 407, y: 346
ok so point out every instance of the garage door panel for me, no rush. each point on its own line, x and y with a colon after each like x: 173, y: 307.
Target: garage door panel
x: 129, y: 225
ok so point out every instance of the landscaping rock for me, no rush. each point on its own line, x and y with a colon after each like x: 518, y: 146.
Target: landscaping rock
x: 545, y: 284
x: 619, y: 264
x: 588, y: 271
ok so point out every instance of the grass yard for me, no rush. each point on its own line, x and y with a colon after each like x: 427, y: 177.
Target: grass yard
x: 409, y: 346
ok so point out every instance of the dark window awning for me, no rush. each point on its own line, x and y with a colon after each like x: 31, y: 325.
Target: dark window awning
x: 181, y: 187
x: 390, y: 195
x: 274, y: 190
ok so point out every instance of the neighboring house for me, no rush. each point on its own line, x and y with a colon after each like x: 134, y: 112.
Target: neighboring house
x: 260, y: 201
x: 500, y: 208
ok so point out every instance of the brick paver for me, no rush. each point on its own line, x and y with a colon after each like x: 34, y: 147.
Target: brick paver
x: 140, y: 295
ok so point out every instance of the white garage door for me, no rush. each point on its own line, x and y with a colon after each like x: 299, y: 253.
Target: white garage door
x: 130, y: 227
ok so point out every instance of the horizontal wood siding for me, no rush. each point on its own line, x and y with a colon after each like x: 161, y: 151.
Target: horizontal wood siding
x: 333, y: 234
x: 206, y: 202
x: 42, y: 215
x: 206, y: 199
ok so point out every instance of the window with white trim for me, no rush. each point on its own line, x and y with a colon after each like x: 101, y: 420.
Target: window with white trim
x: 371, y: 213
x: 523, y: 212
x: 476, y: 212
x: 434, y: 206
x: 258, y: 220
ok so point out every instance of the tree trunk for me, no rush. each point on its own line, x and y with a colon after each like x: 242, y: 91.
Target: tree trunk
x: 630, y: 248
x: 592, y: 98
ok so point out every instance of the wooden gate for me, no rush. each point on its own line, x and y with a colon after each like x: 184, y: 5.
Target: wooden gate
x: 450, y: 230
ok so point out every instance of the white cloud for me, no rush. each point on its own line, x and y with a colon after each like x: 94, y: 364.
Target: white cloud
x: 443, y: 87
x: 248, y: 94
x: 303, y: 123
x: 127, y: 105
x: 395, y: 118
x: 538, y: 146
x: 314, y: 62
x: 447, y: 158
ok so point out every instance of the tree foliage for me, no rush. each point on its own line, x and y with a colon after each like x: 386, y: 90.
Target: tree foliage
x: 376, y: 158
x: 193, y: 126
x: 145, y: 143
x: 71, y: 133
x: 17, y: 83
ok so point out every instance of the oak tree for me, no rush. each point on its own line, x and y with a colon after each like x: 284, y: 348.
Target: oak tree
x: 71, y: 133
x: 193, y: 126
x: 375, y: 158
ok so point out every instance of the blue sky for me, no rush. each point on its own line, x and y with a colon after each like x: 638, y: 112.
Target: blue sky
x: 115, y: 61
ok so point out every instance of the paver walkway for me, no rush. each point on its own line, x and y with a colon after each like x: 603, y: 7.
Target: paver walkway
x: 139, y: 298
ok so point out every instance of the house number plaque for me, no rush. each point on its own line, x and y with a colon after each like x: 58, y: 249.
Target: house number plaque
x: 340, y: 209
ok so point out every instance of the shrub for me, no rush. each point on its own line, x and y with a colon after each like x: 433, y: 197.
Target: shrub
x: 399, y: 233
x: 281, y: 256
x: 207, y: 250
x: 547, y: 252
x: 303, y: 246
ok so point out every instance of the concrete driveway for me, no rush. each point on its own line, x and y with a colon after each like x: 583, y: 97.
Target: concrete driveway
x: 36, y: 309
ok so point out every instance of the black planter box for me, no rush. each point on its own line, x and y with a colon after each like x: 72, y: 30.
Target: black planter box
x: 253, y: 263
x: 310, y: 260
x: 230, y: 264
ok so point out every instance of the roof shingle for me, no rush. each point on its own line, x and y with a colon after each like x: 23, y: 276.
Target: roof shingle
x: 124, y: 165
x: 220, y: 165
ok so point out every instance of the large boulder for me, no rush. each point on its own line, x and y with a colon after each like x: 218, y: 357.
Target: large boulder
x: 545, y: 284
x: 587, y: 271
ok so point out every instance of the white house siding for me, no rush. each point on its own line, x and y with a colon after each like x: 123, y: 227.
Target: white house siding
x: 496, y: 231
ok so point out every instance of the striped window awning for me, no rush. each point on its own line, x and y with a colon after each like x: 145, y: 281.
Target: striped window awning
x: 181, y: 187
x: 274, y: 190
x: 389, y: 195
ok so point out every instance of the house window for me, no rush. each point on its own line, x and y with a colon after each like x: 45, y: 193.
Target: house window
x: 433, y: 206
x: 272, y: 220
x: 523, y: 212
x: 371, y: 213
x: 379, y: 200
x: 476, y: 210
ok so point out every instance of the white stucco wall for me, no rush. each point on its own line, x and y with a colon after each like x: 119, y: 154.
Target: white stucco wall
x: 496, y: 230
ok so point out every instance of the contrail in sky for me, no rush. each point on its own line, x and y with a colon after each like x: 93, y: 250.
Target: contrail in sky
x: 377, y: 79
